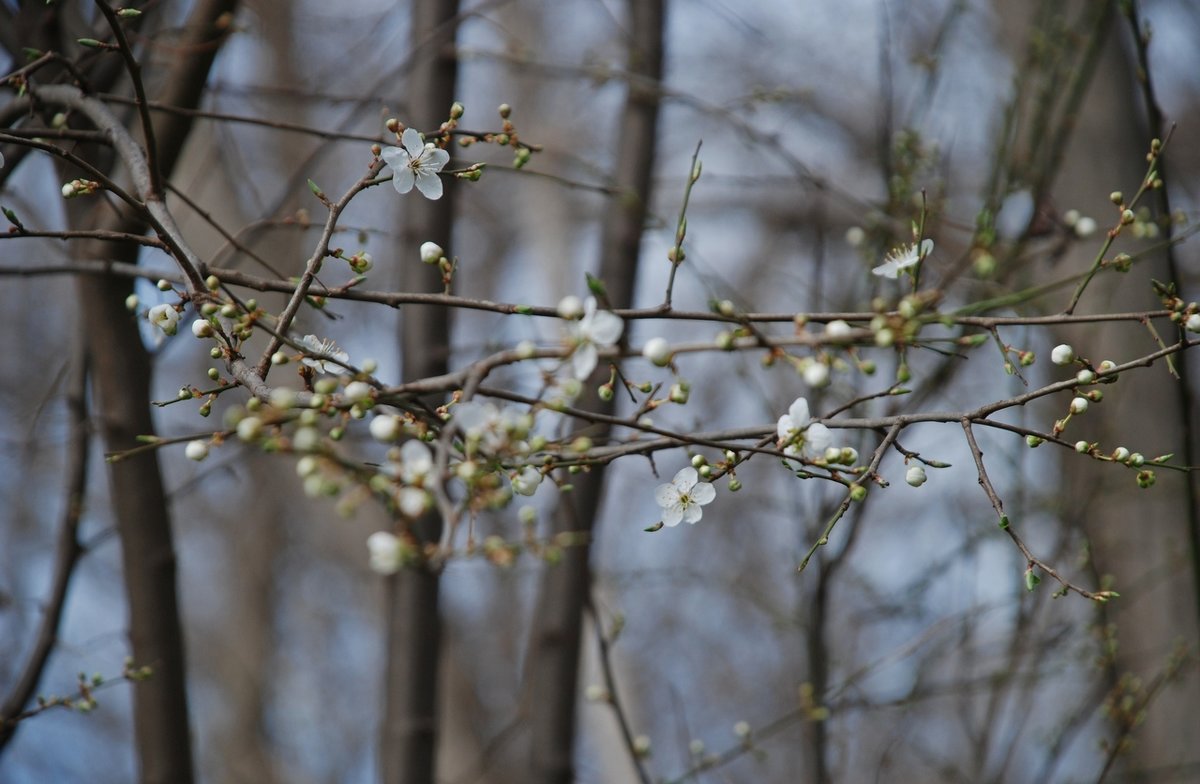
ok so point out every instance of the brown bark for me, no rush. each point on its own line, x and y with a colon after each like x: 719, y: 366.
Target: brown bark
x: 121, y: 395
x: 409, y: 735
x: 554, y: 670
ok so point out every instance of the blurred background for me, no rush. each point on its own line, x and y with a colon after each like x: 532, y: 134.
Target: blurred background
x: 910, y: 649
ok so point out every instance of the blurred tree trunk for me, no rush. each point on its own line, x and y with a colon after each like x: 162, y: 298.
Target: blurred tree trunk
x: 554, y: 658
x: 121, y: 372
x: 409, y: 737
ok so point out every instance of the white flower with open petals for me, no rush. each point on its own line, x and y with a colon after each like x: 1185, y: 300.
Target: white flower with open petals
x: 799, y: 435
x: 323, y: 350
x: 165, y: 317
x: 682, y: 498
x: 597, y: 329
x: 416, y: 163
x: 902, y: 258
x: 416, y: 462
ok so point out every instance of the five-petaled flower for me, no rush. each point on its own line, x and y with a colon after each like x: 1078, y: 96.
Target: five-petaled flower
x: 682, y: 498
x: 597, y: 329
x: 416, y: 163
x: 902, y: 258
x: 799, y: 435
x: 322, y: 351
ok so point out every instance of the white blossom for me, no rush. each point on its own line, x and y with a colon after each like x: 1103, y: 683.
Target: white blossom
x: 658, y: 351
x: 799, y: 435
x: 385, y: 427
x: 165, y: 317
x: 682, y: 498
x: 837, y: 329
x: 431, y: 252
x: 902, y: 258
x: 249, y: 428
x: 1193, y: 323
x: 412, y: 502
x: 1062, y: 354
x: 570, y: 307
x: 597, y: 329
x: 322, y: 351
x: 816, y: 374
x: 526, y: 481
x: 416, y: 163
x: 357, y: 391
x: 196, y: 450
x: 1085, y: 227
x: 416, y: 462
x: 384, y: 548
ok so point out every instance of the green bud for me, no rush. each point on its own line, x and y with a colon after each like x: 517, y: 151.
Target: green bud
x: 857, y: 492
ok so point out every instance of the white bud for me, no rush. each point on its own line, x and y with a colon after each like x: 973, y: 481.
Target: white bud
x: 915, y: 476
x: 306, y: 439
x: 283, y: 397
x: 570, y: 307
x: 431, y: 252
x: 196, y: 450
x: 68, y: 190
x: 202, y: 329
x: 1085, y: 227
x: 816, y: 374
x: 249, y: 428
x: 742, y: 729
x: 1079, y: 405
x: 1062, y: 354
x: 526, y: 349
x: 307, y: 466
x: 385, y: 428
x: 1193, y: 323
x: 131, y: 302
x: 1120, y: 454
x: 1082, y: 447
x: 1085, y: 376
x: 384, y: 551
x: 855, y: 236
x: 837, y: 329
x: 357, y: 391
x: 658, y: 351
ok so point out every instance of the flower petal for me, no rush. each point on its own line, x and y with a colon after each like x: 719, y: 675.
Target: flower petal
x: 430, y: 185
x: 685, y: 479
x: 888, y: 269
x: 798, y: 411
x: 692, y: 513
x: 666, y: 496
x: 926, y: 248
x: 817, y: 438
x: 435, y: 159
x: 785, y: 426
x: 395, y: 157
x: 402, y: 179
x: 605, y: 328
x: 583, y: 361
x: 412, y: 142
x: 703, y: 493
x: 672, y: 515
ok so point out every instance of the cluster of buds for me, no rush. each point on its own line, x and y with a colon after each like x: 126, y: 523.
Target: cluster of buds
x: 76, y: 188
